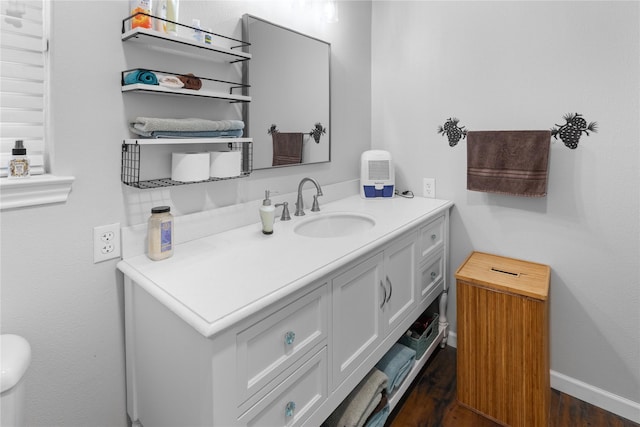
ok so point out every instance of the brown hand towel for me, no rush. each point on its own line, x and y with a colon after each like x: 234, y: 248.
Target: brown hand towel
x: 287, y: 148
x: 190, y: 81
x: 508, y: 162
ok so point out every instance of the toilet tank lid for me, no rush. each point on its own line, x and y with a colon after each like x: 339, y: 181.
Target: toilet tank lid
x: 15, y: 356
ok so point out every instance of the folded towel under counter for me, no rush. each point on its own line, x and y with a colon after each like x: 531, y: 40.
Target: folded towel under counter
x: 361, y: 403
x: 508, y: 162
x: 396, y: 364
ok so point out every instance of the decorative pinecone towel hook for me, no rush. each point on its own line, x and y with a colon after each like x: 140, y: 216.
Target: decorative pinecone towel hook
x: 572, y: 130
x: 453, y: 131
x: 317, y: 131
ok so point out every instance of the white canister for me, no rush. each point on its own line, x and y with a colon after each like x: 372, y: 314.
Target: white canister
x: 189, y: 167
x: 225, y: 164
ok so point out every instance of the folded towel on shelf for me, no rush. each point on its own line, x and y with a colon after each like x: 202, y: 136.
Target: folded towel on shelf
x: 170, y: 81
x: 508, y: 162
x: 237, y: 133
x: 151, y: 124
x: 360, y: 403
x: 190, y: 81
x: 396, y: 364
x: 140, y: 76
x: 287, y: 148
x: 380, y: 414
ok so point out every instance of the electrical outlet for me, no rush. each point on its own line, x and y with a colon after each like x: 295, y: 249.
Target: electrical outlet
x: 106, y: 242
x: 429, y: 187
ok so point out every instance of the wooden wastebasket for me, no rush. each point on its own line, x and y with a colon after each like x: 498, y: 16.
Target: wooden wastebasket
x: 503, y: 339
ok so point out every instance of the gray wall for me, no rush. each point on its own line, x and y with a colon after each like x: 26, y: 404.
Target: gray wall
x: 70, y: 309
x: 523, y: 65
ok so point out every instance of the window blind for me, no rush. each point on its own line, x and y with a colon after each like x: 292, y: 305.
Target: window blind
x: 23, y: 87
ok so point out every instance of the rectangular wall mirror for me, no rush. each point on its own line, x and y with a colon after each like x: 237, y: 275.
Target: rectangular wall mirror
x: 289, y: 115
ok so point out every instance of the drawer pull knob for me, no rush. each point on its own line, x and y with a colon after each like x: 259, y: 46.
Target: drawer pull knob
x: 433, y: 274
x: 289, y: 337
x: 433, y: 237
x: 288, y: 410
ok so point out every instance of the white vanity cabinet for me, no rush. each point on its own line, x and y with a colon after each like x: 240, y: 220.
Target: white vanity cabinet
x: 369, y: 300
x: 273, y: 366
x: 201, y: 350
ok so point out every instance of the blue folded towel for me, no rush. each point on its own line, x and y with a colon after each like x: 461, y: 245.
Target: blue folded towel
x: 378, y: 419
x: 141, y: 76
x: 396, y: 364
x: 236, y: 133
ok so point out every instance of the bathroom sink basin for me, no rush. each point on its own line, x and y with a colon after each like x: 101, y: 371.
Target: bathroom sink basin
x: 335, y: 224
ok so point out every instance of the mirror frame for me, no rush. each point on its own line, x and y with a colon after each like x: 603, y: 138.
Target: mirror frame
x: 246, y: 80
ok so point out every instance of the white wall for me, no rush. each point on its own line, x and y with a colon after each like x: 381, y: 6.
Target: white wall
x: 70, y: 309
x: 523, y: 65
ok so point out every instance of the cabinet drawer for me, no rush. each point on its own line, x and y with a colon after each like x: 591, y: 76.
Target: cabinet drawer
x: 268, y: 347
x: 431, y: 237
x: 431, y: 278
x: 295, y: 399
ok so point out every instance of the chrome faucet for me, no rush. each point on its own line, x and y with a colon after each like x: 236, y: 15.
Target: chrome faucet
x: 300, y: 203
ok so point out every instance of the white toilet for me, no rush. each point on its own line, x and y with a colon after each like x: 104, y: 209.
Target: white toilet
x: 14, y: 361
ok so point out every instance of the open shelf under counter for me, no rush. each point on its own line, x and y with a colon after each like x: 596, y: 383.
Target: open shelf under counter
x: 156, y: 89
x: 398, y: 393
x: 183, y: 45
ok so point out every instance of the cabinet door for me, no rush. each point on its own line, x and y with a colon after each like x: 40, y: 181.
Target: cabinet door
x: 357, y: 315
x: 399, y: 280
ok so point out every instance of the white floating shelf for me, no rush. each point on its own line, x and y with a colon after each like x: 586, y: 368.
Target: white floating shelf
x: 177, y: 43
x: 141, y: 87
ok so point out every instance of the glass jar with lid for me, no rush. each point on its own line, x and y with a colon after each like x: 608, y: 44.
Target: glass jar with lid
x: 160, y: 233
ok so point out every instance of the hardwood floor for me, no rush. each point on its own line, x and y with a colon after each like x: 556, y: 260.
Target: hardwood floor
x: 431, y: 402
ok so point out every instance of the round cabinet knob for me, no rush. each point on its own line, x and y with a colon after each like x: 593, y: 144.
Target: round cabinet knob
x: 433, y: 274
x: 289, y: 337
x: 289, y: 409
x: 433, y: 237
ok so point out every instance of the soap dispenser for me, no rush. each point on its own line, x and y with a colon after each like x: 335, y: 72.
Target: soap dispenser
x: 267, y: 214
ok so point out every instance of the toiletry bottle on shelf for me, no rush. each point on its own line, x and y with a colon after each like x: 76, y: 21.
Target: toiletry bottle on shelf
x: 267, y: 214
x: 198, y: 35
x: 172, y: 15
x: 19, y: 162
x: 161, y: 16
x: 140, y: 6
x: 160, y: 233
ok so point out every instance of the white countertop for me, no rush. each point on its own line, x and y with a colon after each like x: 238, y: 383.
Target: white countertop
x: 218, y: 280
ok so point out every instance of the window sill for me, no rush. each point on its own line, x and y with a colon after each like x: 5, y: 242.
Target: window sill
x: 34, y: 191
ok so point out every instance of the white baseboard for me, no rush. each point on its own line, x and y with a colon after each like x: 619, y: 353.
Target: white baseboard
x: 580, y: 390
x: 596, y: 396
x: 452, y: 339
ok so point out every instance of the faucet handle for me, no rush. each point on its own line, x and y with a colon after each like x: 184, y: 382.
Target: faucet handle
x: 315, y: 207
x: 285, y: 211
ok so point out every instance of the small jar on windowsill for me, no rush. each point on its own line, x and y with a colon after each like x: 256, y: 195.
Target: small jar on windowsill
x: 19, y: 164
